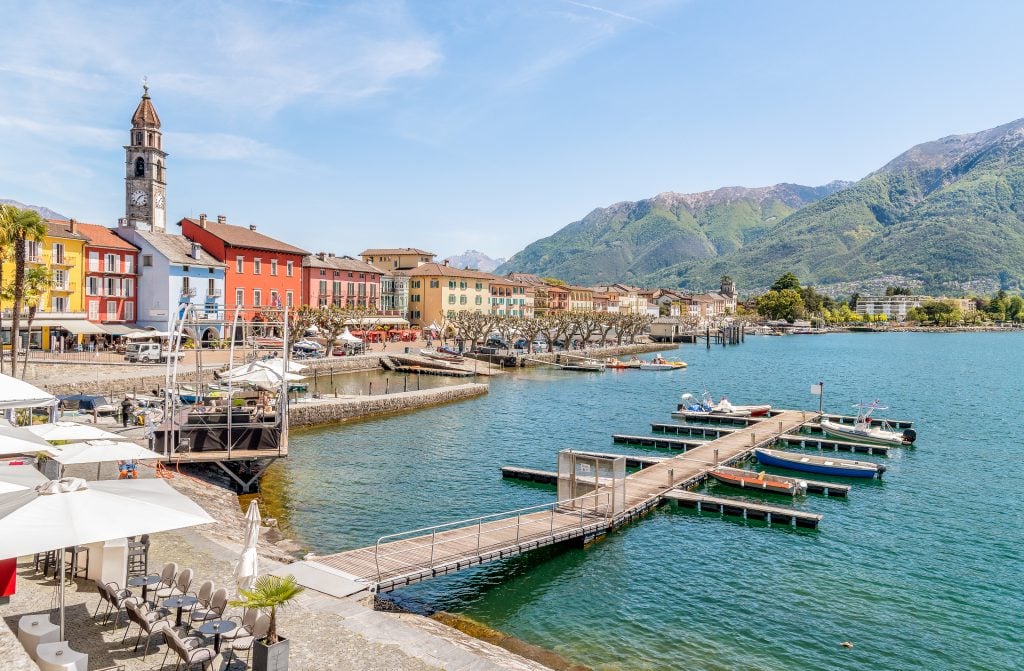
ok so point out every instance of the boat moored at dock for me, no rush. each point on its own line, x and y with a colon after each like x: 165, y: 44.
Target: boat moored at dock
x: 762, y: 481
x: 865, y: 430
x: 818, y: 464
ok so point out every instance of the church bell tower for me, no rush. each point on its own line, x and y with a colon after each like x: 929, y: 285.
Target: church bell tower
x: 145, y: 182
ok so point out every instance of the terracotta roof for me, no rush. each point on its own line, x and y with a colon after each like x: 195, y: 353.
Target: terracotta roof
x: 178, y: 249
x: 101, y: 236
x: 145, y: 114
x: 450, y: 271
x: 399, y: 250
x: 340, y: 263
x: 241, y: 236
x: 527, y: 278
x: 56, y: 228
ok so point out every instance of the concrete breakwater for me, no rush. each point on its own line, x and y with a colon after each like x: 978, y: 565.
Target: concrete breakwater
x: 597, y: 352
x: 332, y: 410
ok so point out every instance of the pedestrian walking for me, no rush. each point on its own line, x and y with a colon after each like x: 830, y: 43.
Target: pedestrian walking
x: 126, y: 411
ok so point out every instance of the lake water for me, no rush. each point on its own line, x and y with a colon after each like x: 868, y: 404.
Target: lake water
x: 922, y: 569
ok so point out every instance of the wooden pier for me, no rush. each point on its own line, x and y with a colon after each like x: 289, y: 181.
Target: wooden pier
x: 821, y: 443
x: 706, y: 418
x: 691, y: 430
x: 745, y: 509
x: 850, y: 419
x: 680, y: 444
x: 405, y: 558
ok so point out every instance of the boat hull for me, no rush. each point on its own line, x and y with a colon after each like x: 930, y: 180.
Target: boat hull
x: 768, y: 484
x: 821, y: 466
x: 850, y: 433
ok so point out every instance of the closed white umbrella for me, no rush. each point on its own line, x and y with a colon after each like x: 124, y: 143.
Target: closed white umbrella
x: 17, y: 440
x: 65, y: 513
x: 66, y: 431
x: 247, y: 567
x: 347, y: 336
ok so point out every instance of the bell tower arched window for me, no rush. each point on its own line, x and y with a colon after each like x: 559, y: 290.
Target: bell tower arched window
x: 138, y: 138
x: 140, y: 167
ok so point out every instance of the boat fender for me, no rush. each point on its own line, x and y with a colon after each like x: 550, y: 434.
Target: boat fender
x: 909, y: 436
x: 846, y: 644
x: 801, y: 485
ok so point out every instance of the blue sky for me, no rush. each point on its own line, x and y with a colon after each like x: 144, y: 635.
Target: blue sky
x: 455, y: 124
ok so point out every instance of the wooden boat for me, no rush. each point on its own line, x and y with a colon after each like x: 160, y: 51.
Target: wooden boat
x: 583, y: 365
x: 866, y: 430
x: 438, y: 355
x: 763, y: 481
x: 812, y: 463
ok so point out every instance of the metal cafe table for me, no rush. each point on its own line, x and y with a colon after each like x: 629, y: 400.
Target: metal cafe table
x: 144, y: 581
x: 216, y: 627
x: 180, y: 602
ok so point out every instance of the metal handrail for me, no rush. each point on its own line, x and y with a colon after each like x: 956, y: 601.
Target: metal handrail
x: 474, y: 525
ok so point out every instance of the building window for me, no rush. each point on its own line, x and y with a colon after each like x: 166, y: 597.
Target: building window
x: 128, y: 264
x: 138, y: 138
x: 323, y: 287
x: 462, y: 300
x: 479, y: 286
x: 323, y: 272
x: 414, y: 298
x: 273, y: 267
x: 111, y: 266
x: 111, y: 287
x: 463, y: 285
x: 351, y: 289
x: 147, y: 261
x: 129, y: 287
x: 185, y: 287
x: 257, y: 265
x: 337, y: 273
x: 211, y: 287
x: 239, y: 297
x: 94, y: 311
x: 129, y: 311
x: 275, y: 298
x: 94, y: 262
x: 239, y: 265
x: 290, y: 268
x: 415, y: 284
x: 111, y: 310
x: 451, y: 299
x: 58, y: 253
x: 479, y: 300
x: 140, y: 167
x: 350, y: 275
x: 434, y: 284
x: 257, y: 298
x: 60, y: 304
x: 92, y: 287
x: 289, y: 296
x: 451, y: 284
x: 336, y: 287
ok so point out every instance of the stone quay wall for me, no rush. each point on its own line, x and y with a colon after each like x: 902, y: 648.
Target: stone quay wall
x: 333, y: 410
x: 596, y: 352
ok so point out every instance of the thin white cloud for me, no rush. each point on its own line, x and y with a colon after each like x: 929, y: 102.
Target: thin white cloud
x: 609, y: 12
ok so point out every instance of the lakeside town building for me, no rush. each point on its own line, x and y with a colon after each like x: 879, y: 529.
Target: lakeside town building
x: 437, y: 289
x: 340, y: 281
x: 111, y: 278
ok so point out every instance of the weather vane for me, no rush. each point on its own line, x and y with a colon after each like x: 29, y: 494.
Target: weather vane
x: 145, y: 84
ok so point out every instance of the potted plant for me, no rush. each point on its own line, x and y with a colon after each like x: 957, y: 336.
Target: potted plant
x: 270, y: 592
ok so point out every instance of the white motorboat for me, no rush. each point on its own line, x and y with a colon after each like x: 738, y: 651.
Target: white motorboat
x: 865, y: 430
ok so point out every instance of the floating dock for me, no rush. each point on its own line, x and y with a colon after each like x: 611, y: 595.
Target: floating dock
x: 851, y: 419
x: 745, y: 509
x: 691, y: 430
x: 680, y: 444
x: 821, y: 443
x: 402, y: 559
x: 705, y: 418
x: 833, y: 489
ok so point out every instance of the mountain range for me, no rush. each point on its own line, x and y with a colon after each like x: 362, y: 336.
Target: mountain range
x: 44, y: 212
x: 946, y: 215
x: 475, y: 260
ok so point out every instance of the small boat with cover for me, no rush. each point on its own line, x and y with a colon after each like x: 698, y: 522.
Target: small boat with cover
x: 865, y: 429
x: 661, y: 363
x: 439, y: 355
x: 812, y: 463
x: 707, y: 405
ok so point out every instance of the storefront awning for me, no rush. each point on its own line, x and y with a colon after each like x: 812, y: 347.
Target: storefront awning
x: 118, y: 329
x: 76, y: 326
x: 378, y: 321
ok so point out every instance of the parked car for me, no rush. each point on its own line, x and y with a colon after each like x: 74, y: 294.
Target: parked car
x: 88, y: 403
x: 496, y: 342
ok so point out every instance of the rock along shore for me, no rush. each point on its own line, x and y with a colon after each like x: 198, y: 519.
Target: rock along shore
x: 332, y: 410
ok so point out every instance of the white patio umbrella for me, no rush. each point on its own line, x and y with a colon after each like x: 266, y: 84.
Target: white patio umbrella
x: 71, y: 431
x: 266, y: 378
x: 17, y: 440
x: 19, y: 478
x: 99, y: 451
x: 15, y: 393
x: 64, y: 513
x: 247, y: 567
x: 272, y: 365
x: 347, y: 336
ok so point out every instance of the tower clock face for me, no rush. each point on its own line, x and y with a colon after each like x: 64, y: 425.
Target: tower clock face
x: 139, y: 198
x: 159, y: 200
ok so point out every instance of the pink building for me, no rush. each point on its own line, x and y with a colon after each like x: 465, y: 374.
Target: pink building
x: 341, y: 281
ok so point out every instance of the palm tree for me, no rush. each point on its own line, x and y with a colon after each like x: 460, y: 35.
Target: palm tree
x: 269, y: 591
x: 37, y: 282
x: 18, y: 228
x: 6, y: 217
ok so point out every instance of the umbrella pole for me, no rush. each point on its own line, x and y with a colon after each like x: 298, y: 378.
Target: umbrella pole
x: 60, y: 592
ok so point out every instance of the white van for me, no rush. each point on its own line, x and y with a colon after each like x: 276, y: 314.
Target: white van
x: 147, y: 352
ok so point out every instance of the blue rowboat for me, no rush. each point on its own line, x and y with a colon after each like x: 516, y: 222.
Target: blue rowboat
x: 812, y: 463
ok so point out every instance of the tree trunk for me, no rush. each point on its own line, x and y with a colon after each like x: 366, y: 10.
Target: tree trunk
x: 19, y: 291
x: 24, y: 362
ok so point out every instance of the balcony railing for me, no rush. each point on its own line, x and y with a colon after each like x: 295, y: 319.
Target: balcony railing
x: 65, y: 286
x: 188, y: 292
x: 33, y: 258
x: 64, y: 259
x: 214, y: 293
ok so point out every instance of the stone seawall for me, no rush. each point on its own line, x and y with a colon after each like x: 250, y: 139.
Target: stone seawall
x: 333, y: 410
x: 103, y: 380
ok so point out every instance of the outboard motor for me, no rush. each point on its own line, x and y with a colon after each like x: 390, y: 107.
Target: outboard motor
x: 909, y: 436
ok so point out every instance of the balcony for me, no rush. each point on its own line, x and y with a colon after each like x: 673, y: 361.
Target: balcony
x: 214, y: 293
x: 187, y: 292
x: 33, y: 258
x: 66, y: 287
x: 64, y: 259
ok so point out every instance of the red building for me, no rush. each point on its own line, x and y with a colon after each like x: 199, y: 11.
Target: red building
x: 340, y: 280
x: 262, y: 272
x: 111, y: 276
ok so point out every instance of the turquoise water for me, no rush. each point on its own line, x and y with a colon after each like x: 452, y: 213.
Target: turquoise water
x: 922, y: 569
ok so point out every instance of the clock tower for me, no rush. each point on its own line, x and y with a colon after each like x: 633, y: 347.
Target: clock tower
x: 145, y: 182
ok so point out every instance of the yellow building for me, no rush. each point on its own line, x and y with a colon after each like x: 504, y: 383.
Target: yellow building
x: 60, y: 319
x: 581, y: 299
x: 401, y: 258
x: 436, y: 290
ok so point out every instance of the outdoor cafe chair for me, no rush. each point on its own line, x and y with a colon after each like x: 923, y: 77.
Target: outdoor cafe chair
x: 215, y: 611
x: 203, y: 598
x: 115, y: 598
x: 178, y: 587
x: 189, y: 650
x: 150, y: 623
x: 167, y: 576
x: 259, y: 631
x: 245, y: 624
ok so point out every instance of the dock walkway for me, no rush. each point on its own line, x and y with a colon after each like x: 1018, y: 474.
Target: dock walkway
x: 402, y: 559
